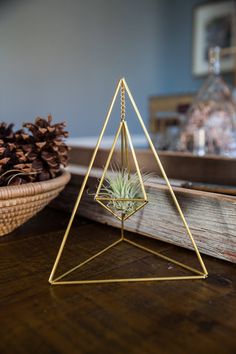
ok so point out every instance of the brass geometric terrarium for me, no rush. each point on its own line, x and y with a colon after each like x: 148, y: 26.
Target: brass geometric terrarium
x: 121, y: 192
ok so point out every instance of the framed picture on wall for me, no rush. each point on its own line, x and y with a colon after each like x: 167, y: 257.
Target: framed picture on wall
x: 213, y: 25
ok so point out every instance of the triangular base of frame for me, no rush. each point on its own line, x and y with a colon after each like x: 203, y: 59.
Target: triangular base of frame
x: 196, y: 273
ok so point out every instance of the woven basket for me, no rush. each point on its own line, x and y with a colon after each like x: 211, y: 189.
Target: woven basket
x: 19, y: 203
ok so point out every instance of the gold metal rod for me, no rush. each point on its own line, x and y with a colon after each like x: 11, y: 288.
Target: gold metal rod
x: 117, y: 216
x: 165, y: 177
x: 139, y: 207
x: 126, y: 152
x: 84, y: 184
x: 163, y: 256
x: 122, y: 147
x: 135, y: 161
x: 108, y: 160
x: 124, y: 135
x: 125, y: 132
x: 110, y: 211
x: 88, y: 260
x: 121, y: 199
x: 122, y: 117
x: 128, y: 280
x: 122, y: 227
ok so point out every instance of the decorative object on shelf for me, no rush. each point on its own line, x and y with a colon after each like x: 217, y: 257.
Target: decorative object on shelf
x: 123, y: 205
x: 35, y: 154
x: 211, y: 123
x: 213, y: 26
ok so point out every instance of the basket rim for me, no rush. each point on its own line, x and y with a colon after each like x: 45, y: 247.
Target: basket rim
x: 32, y: 188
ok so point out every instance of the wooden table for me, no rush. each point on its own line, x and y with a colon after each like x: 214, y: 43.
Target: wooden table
x: 162, y: 317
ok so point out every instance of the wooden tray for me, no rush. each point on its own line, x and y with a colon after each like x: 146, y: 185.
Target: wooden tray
x: 211, y: 216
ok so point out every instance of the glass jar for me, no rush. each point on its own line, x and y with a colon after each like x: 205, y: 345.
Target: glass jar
x: 211, y: 119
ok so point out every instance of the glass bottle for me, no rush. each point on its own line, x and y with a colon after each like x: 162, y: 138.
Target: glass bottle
x: 211, y: 119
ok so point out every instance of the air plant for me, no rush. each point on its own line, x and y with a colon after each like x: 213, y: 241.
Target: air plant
x: 121, y: 184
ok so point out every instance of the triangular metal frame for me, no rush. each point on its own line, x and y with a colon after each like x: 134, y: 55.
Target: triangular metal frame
x: 59, y: 280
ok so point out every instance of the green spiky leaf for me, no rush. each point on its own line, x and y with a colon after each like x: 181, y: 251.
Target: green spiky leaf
x: 120, y: 183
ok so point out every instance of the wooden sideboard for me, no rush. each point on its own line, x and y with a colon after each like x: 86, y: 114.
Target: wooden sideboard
x: 166, y: 318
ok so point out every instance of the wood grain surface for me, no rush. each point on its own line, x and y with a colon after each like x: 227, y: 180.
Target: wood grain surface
x: 148, y: 318
x: 211, y: 216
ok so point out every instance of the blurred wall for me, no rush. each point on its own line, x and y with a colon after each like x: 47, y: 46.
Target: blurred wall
x: 176, y: 55
x: 64, y: 57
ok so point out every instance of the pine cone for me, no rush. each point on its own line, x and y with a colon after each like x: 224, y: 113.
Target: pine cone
x: 45, y: 147
x: 6, y: 132
x: 7, y: 149
x: 34, y: 156
x: 7, y: 155
x: 12, y: 158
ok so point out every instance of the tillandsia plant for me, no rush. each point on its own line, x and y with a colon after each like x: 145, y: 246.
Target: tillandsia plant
x: 34, y: 153
x: 121, y: 184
